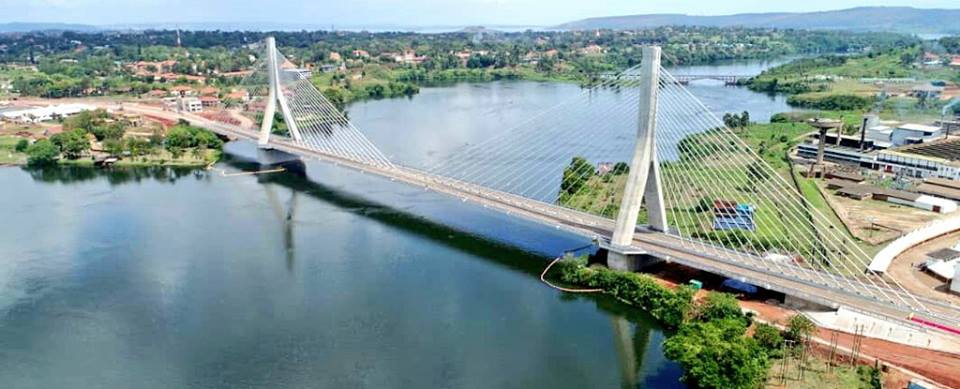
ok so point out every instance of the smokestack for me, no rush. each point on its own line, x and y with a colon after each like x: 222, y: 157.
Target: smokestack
x: 863, y: 131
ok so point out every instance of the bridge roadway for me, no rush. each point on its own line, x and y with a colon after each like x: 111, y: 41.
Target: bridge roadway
x: 793, y: 280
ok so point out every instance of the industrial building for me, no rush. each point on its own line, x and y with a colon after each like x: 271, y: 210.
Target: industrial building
x: 916, y: 200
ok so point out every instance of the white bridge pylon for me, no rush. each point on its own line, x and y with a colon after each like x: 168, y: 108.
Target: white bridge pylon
x: 643, y: 180
x: 273, y: 77
x: 312, y: 121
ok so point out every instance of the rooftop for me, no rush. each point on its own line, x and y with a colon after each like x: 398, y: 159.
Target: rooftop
x: 918, y: 127
x: 943, y: 182
x: 946, y: 254
x: 944, y: 149
x: 939, y: 191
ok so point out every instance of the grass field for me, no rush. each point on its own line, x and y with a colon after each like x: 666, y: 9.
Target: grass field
x: 721, y: 170
x: 7, y: 154
x: 816, y: 375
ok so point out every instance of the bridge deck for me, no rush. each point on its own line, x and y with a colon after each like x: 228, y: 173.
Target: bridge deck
x: 793, y: 280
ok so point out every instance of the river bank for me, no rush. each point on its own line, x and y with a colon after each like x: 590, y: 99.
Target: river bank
x: 691, y: 313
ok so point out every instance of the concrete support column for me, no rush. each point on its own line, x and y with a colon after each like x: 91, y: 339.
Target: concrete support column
x: 271, y: 109
x: 276, y: 96
x: 643, y: 182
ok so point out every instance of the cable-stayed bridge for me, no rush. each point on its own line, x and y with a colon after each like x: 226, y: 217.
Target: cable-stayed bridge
x: 635, y: 162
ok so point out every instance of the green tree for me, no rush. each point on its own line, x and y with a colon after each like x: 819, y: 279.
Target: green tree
x: 715, y: 354
x: 71, y: 143
x: 42, y: 152
x: 620, y: 168
x: 799, y: 327
x: 113, y: 146
x: 576, y: 175
x: 21, y: 145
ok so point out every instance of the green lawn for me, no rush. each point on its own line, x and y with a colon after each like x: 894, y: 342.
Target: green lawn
x: 7, y: 154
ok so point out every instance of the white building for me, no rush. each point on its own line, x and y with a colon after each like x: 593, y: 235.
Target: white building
x: 910, y: 133
x: 943, y: 264
x: 37, y: 115
x: 955, y: 285
x: 190, y: 104
x: 885, y: 136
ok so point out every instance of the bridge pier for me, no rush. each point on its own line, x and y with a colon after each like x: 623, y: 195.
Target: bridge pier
x: 270, y: 156
x: 627, y: 258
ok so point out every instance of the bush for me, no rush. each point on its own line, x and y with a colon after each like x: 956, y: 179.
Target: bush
x: 710, y: 345
x: 769, y: 338
x: 780, y: 118
x: 718, y: 306
x: 42, y: 152
x: 667, y: 306
x: 21, y: 145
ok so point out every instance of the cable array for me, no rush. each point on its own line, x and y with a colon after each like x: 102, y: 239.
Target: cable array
x: 703, y: 164
x: 321, y: 125
x: 575, y: 156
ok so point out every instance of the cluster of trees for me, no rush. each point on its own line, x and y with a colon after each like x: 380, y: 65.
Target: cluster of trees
x: 184, y: 136
x: 579, y: 172
x: 80, y: 130
x: 832, y: 102
x: 951, y: 44
x: 709, y: 338
x: 78, y: 63
x: 733, y: 120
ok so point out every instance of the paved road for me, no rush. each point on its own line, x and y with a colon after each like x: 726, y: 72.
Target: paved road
x: 824, y: 288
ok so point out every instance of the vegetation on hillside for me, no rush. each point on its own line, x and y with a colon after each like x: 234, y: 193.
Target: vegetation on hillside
x: 852, y: 82
x: 71, y: 64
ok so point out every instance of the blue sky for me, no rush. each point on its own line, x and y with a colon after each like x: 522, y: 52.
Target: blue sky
x: 399, y: 12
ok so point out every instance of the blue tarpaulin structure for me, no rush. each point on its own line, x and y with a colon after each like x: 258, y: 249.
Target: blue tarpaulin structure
x: 740, y: 286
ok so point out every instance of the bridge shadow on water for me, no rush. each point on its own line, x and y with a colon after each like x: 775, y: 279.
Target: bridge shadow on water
x: 632, y: 328
x: 631, y: 344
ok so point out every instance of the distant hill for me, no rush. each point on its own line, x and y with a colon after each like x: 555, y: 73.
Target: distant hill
x: 27, y: 27
x: 899, y: 19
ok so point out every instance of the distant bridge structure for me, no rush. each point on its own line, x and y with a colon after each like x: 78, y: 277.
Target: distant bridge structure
x: 681, y: 161
x: 685, y: 79
x: 727, y: 79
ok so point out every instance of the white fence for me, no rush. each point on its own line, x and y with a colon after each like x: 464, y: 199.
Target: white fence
x: 882, y: 260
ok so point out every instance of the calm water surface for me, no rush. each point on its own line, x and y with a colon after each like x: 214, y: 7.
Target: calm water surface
x: 159, y: 278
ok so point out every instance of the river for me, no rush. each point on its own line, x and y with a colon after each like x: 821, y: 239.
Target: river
x: 162, y: 278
